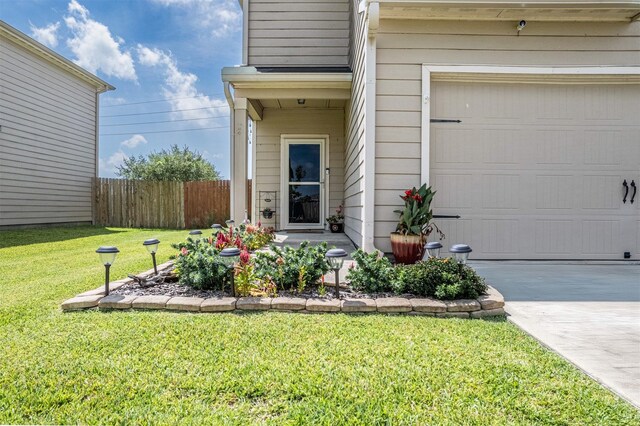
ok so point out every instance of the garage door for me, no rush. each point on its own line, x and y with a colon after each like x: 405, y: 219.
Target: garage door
x: 538, y: 171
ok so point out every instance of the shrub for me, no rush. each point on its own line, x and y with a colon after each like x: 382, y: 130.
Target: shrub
x: 199, y: 265
x: 292, y: 268
x: 374, y: 274
x: 439, y: 278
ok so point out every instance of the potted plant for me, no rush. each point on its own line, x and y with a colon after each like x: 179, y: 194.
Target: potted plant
x: 267, y: 213
x: 414, y: 225
x: 336, y: 222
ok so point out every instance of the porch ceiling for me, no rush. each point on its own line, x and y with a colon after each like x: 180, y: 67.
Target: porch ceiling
x: 308, y: 103
x: 536, y: 10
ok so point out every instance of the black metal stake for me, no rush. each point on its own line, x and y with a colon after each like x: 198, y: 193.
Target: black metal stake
x: 337, y: 272
x: 106, y: 279
x: 233, y: 282
x: 461, y: 269
x: 155, y: 267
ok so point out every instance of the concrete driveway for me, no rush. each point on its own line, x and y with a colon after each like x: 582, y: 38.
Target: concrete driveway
x: 589, y: 314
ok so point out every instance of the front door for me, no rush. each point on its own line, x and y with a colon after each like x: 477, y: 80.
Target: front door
x: 303, y: 183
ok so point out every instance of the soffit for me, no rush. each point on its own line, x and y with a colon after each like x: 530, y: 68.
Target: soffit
x: 511, y: 11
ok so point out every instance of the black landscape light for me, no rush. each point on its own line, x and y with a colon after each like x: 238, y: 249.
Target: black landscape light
x: 230, y: 222
x: 335, y: 257
x: 107, y: 257
x: 432, y: 250
x: 230, y: 256
x: 152, y: 247
x: 216, y: 228
x: 461, y: 252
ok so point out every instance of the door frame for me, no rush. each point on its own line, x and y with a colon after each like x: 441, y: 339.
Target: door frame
x: 285, y: 141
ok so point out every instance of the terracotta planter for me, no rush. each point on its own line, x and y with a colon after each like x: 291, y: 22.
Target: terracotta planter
x: 336, y: 227
x: 407, y: 249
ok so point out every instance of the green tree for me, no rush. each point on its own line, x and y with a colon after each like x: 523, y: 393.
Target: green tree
x: 174, y: 164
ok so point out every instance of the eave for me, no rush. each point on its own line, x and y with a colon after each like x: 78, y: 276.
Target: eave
x: 248, y: 82
x: 40, y: 50
x: 508, y: 10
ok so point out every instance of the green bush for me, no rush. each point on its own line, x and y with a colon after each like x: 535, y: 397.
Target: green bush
x: 199, y: 265
x: 439, y: 278
x: 374, y: 274
x: 292, y: 268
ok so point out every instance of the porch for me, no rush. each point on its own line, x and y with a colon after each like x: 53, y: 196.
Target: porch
x: 288, y: 134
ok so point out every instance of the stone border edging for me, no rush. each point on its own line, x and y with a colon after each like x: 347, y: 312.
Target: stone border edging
x: 491, y: 304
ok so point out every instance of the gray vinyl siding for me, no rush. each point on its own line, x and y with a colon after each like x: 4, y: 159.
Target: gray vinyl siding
x: 298, y: 32
x: 403, y: 46
x: 355, y: 123
x: 47, y: 141
x: 269, y: 130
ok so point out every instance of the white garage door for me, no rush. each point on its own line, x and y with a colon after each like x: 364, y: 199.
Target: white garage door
x: 536, y: 171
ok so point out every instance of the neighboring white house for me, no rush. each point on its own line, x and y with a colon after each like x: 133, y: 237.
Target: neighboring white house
x: 523, y: 116
x: 48, y: 134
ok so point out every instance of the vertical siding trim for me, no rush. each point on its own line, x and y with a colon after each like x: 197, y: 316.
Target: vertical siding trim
x: 425, y: 126
x: 245, y: 32
x: 368, y: 227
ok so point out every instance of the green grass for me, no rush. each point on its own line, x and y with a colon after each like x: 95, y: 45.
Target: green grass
x: 171, y: 368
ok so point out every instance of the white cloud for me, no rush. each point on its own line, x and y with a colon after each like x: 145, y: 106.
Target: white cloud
x: 110, y: 165
x: 110, y: 101
x: 46, y: 35
x: 95, y: 47
x: 180, y: 90
x: 219, y: 17
x: 134, y: 141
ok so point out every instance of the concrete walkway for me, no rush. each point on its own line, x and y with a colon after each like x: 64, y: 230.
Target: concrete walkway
x: 589, y: 314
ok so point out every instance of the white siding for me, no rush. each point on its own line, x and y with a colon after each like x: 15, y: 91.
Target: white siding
x: 298, y: 32
x: 308, y: 121
x: 354, y: 154
x: 403, y: 46
x: 47, y: 141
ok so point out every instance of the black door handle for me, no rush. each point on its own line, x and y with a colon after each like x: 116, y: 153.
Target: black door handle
x: 635, y: 189
x: 626, y: 192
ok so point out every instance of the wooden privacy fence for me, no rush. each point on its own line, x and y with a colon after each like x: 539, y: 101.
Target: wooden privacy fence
x: 147, y: 204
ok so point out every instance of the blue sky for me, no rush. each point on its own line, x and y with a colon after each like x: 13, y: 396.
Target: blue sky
x: 164, y: 58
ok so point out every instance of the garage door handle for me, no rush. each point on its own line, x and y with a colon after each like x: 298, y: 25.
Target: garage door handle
x: 635, y: 189
x: 626, y: 192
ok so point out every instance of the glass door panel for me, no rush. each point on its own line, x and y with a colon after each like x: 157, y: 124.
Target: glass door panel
x: 304, y: 184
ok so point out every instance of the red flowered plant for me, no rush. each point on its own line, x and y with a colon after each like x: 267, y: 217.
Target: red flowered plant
x: 415, y: 217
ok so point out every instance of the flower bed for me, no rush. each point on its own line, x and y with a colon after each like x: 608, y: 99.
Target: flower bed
x: 296, y: 279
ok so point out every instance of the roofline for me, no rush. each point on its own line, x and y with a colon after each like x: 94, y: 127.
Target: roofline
x: 606, y: 4
x: 251, y: 77
x: 60, y: 61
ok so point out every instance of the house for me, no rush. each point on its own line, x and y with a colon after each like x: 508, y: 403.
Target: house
x: 523, y: 116
x: 48, y: 134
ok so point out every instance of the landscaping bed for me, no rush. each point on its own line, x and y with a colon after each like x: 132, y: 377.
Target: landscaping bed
x: 170, y: 295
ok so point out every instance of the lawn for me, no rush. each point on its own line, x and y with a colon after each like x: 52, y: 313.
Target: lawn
x: 275, y: 368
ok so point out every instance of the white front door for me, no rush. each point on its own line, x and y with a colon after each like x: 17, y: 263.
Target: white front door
x: 302, y: 177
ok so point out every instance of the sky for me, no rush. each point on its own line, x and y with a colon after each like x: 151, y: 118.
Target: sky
x: 163, y: 56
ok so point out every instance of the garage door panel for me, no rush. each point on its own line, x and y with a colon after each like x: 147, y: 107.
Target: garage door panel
x: 601, y: 237
x: 555, y: 192
x: 555, y: 237
x: 536, y: 171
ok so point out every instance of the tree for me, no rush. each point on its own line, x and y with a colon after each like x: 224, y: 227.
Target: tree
x: 175, y: 164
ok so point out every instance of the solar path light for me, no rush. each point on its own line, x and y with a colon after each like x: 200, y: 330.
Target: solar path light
x: 230, y: 256
x: 107, y: 257
x: 335, y: 257
x: 152, y: 247
x: 432, y: 250
x: 461, y: 253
